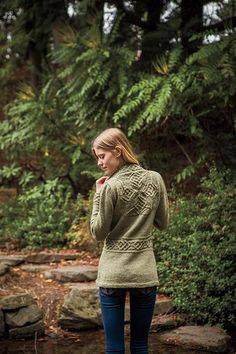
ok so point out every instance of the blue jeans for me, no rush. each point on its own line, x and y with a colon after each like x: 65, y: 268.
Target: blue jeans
x: 142, y: 301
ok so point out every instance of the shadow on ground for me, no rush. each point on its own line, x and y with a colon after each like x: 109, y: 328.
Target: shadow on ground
x: 88, y: 342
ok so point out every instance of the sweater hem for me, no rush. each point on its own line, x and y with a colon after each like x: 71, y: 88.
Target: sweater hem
x: 102, y: 284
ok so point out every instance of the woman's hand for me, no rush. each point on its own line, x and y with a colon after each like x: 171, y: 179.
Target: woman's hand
x: 100, y: 183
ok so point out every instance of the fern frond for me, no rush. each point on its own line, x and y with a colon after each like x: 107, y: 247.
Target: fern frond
x: 161, y: 66
x: 149, y: 85
x: 174, y: 57
x: 178, y: 81
x: 88, y: 55
x: 66, y: 35
x: 114, y: 33
x: 227, y: 66
x: 160, y: 102
x: 26, y: 92
x: 203, y: 54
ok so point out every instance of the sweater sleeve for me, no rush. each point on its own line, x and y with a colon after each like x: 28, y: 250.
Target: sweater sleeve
x: 161, y: 219
x: 102, y: 213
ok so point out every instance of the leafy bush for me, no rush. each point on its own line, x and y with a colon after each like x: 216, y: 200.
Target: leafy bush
x: 196, y: 255
x: 39, y: 217
x: 78, y: 234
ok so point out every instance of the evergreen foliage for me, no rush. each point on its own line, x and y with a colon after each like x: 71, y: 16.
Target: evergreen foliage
x: 33, y: 136
x: 94, y: 72
x: 181, y: 97
x: 38, y: 218
x: 196, y: 255
x: 92, y: 78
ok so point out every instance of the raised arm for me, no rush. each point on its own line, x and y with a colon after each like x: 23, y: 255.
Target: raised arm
x: 102, y: 213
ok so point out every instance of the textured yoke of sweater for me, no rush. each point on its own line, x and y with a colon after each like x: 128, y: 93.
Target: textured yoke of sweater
x: 132, y: 201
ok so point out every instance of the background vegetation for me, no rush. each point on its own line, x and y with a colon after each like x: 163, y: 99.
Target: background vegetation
x: 196, y: 256
x: 163, y: 71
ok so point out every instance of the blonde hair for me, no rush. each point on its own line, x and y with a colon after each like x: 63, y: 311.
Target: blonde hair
x: 112, y: 138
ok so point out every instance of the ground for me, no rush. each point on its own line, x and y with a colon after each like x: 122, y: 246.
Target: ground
x: 48, y: 293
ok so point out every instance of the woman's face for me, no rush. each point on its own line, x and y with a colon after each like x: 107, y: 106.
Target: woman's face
x: 108, y: 161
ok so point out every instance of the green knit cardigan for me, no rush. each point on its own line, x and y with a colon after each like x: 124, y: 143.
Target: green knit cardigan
x: 132, y: 201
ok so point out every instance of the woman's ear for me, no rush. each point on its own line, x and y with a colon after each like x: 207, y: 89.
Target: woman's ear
x: 118, y: 151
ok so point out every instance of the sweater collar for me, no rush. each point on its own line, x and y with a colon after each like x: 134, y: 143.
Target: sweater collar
x: 123, y: 168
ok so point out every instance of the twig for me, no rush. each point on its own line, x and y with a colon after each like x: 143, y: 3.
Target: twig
x: 35, y: 343
x: 183, y: 150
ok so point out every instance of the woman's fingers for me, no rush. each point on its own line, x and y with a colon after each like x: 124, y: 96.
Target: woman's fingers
x: 102, y: 180
x: 100, y: 183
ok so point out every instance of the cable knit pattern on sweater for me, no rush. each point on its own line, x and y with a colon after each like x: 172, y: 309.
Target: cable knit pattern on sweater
x: 132, y: 201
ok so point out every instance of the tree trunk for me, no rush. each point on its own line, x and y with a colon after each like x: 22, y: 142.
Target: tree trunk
x: 151, y: 46
x: 39, y: 19
x: 191, y: 22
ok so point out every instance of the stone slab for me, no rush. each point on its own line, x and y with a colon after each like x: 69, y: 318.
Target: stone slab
x: 72, y: 274
x: 27, y: 331
x: 163, y: 306
x: 205, y: 338
x: 4, y: 268
x: 164, y: 322
x: 12, y: 260
x: 35, y: 268
x: 23, y: 316
x: 81, y: 285
x: 81, y: 309
x: 12, y: 302
x: 49, y: 258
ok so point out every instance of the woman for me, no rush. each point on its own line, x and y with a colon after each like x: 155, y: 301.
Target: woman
x: 128, y: 202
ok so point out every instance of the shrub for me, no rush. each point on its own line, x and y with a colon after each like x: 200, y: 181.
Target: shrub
x: 39, y: 217
x: 78, y: 234
x: 196, y: 255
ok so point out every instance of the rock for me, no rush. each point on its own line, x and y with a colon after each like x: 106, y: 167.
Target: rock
x: 13, y: 302
x: 2, y: 324
x: 11, y: 260
x: 163, y: 322
x: 163, y: 306
x: 49, y: 258
x: 27, y: 331
x: 205, y: 338
x: 34, y: 268
x: 80, y: 285
x: 81, y: 309
x: 4, y: 268
x: 72, y: 274
x: 23, y: 316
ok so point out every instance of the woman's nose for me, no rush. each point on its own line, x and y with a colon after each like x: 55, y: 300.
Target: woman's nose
x: 99, y: 163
